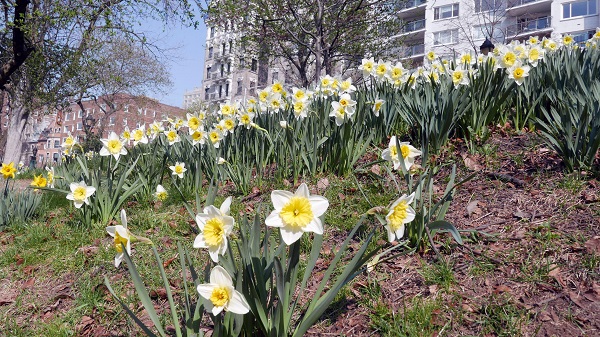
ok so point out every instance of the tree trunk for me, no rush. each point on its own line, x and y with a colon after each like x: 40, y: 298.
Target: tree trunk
x: 15, y: 135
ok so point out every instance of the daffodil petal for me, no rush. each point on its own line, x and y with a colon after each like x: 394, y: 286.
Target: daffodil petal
x: 199, y: 242
x: 225, y: 206
x: 218, y: 275
x: 280, y: 198
x: 290, y: 236
x: 318, y: 204
x: 274, y: 220
x: 315, y: 226
x: 205, y: 290
x: 237, y: 304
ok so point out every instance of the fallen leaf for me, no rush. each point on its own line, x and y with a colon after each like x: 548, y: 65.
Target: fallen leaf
x: 471, y: 163
x: 593, y: 245
x: 255, y: 190
x: 555, y: 273
x: 376, y: 169
x: 323, y: 183
x: 166, y: 263
x: 341, y: 196
x: 472, y: 208
x: 19, y: 260
x: 6, y: 300
x: 28, y: 283
x: 501, y: 289
x: 521, y: 214
x: 88, y: 251
x: 575, y: 299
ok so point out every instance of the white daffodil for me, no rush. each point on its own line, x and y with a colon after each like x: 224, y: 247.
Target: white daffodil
x: 113, y: 145
x: 518, y: 72
x: 346, y: 86
x: 193, y: 123
x: 122, y: 238
x: 460, y: 77
x: 300, y: 109
x: 215, y: 137
x: 367, y: 67
x: 139, y: 136
x: 221, y: 295
x: 339, y: 112
x: 172, y: 136
x: 178, y: 169
x: 69, y: 142
x: 198, y: 136
x: 296, y: 213
x: 80, y: 192
x: 377, y: 106
x: 407, y: 151
x: 161, y: 193
x: 215, y: 227
x: 400, y: 213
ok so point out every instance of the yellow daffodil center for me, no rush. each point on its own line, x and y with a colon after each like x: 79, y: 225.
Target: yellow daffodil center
x: 509, y: 58
x: 178, y: 169
x: 193, y: 123
x: 299, y: 94
x: 161, y: 195
x: 568, y: 40
x: 298, y: 106
x: 263, y: 96
x: 297, y: 212
x: 466, y: 58
x: 378, y: 105
x: 214, y: 231
x: 381, y: 69
x: 518, y: 73
x: 431, y: 56
x: 394, y: 152
x: 69, y: 141
x: 214, y: 137
x: 229, y: 124
x: 325, y: 82
x: 534, y: 54
x: 345, y: 85
x: 118, y: 241
x: 344, y: 102
x: 171, y: 136
x: 114, y: 146
x: 399, y: 214
x: 226, y: 110
x: 277, y: 87
x: 457, y: 76
x: 137, y: 135
x: 79, y: 194
x: 220, y: 296
x: 197, y: 136
x: 126, y: 134
x: 50, y: 177
x: 396, y: 72
x: 405, y: 150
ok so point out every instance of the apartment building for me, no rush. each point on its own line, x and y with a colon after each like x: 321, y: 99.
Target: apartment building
x: 49, y: 129
x: 452, y: 26
x: 231, y: 72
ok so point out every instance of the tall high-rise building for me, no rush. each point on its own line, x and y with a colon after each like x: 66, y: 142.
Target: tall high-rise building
x: 452, y: 26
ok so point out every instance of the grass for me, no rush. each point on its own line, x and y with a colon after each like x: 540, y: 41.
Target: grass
x: 419, y: 317
x: 503, y: 318
x: 439, y: 273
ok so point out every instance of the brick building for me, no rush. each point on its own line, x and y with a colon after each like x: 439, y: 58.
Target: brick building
x: 48, y: 130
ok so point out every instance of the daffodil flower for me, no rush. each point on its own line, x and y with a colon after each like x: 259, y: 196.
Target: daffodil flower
x: 50, y: 174
x: 172, y: 136
x: 161, y: 193
x: 400, y: 213
x: 178, y: 169
x: 296, y: 213
x: 518, y: 72
x: 221, y: 295
x: 39, y: 181
x: 8, y: 170
x: 407, y: 151
x: 139, y: 136
x: 113, y: 146
x: 80, y: 192
x: 215, y: 227
x: 377, y: 106
x: 122, y: 237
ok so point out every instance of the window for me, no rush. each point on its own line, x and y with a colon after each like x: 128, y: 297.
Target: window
x: 66, y: 116
x: 79, y: 126
x: 445, y: 37
x: 226, y: 89
x: 222, y: 69
x: 56, y: 144
x: 241, y: 62
x: 207, y: 72
x: 230, y: 46
x: 275, y: 77
x: 206, y: 94
x: 111, y: 120
x: 139, y: 111
x: 212, y: 31
x: 103, y: 106
x: 252, y: 87
x: 210, y: 52
x: 444, y: 12
x: 220, y: 91
x: 80, y: 114
x: 124, y: 121
x: 485, y: 31
x: 65, y: 129
x: 239, y: 88
x: 126, y: 108
x: 487, y: 5
x: 582, y: 37
x: 228, y: 67
x: 254, y: 65
x: 579, y: 8
x: 223, y: 48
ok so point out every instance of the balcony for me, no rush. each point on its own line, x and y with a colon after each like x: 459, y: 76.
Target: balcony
x: 413, y: 26
x: 417, y: 50
x: 411, y: 9
x: 529, y: 27
x: 520, y: 7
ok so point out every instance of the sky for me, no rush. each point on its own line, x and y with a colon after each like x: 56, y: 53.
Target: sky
x: 185, y: 53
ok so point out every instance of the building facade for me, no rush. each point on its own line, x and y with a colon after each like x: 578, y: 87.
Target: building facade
x: 453, y: 26
x: 49, y: 129
x: 232, y: 73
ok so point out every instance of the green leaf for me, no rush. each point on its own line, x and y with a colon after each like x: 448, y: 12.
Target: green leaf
x: 445, y: 226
